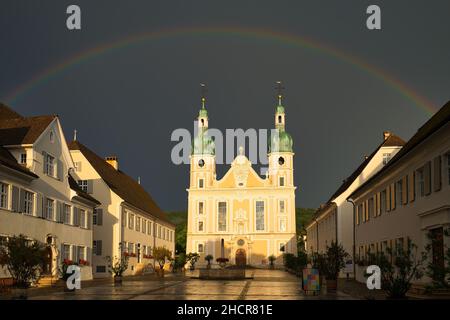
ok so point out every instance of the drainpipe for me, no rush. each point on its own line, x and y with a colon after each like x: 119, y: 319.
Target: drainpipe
x: 317, y: 233
x: 354, y: 237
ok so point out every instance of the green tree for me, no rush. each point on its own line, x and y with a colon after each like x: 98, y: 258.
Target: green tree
x: 438, y: 271
x: 399, y: 267
x: 192, y: 258
x: 161, y: 255
x: 23, y: 258
x: 334, y: 260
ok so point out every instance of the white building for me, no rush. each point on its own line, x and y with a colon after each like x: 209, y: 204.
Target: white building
x: 128, y: 218
x: 334, y: 220
x: 409, y: 197
x: 38, y: 196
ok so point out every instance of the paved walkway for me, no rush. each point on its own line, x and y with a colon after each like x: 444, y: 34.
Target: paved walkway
x: 265, y: 285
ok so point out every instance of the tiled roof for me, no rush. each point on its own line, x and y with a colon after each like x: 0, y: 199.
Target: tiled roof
x: 16, y: 130
x: 123, y: 185
x: 391, y: 141
x: 441, y: 118
x: 8, y: 160
x: 75, y: 187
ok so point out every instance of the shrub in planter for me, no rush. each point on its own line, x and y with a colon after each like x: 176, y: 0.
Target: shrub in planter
x: 334, y: 263
x: 222, y: 262
x: 117, y: 267
x: 208, y: 259
x: 192, y: 258
x: 272, y: 259
x: 24, y: 260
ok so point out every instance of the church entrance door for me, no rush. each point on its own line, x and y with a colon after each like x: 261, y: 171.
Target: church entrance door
x: 241, y: 258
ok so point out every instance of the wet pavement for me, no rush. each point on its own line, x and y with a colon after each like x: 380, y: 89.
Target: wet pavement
x: 264, y: 285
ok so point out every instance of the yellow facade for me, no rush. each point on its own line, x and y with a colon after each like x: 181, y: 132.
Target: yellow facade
x: 242, y: 216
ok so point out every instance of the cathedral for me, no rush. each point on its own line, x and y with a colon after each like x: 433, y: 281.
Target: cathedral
x: 242, y: 217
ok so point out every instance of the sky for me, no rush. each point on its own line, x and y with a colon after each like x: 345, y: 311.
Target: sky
x: 131, y: 76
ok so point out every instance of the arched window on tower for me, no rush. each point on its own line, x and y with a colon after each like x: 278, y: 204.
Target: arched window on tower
x: 203, y: 122
x: 279, y: 119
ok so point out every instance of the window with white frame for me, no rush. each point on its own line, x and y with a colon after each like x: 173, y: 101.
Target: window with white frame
x: 281, y: 181
x: 399, y: 193
x: 81, y: 253
x: 200, y: 226
x: 149, y: 229
x: 65, y: 252
x: 130, y: 220
x: 282, y: 208
x: 159, y: 232
x: 283, y: 223
x: 49, y: 165
x: 83, y: 184
x: 4, y: 191
x: 200, y: 207
x: 144, y: 226
x: 282, y: 247
x: 28, y: 199
x: 124, y: 218
x: 67, y: 214
x: 201, y: 183
x: 383, y: 201
x: 259, y: 215
x: 138, y: 223
x: 130, y: 247
x: 421, y: 181
x: 386, y: 158
x: 23, y: 158
x: 49, y: 208
x: 200, y: 248
x: 82, y: 214
x: 222, y: 216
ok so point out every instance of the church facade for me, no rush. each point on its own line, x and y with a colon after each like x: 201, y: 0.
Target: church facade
x: 242, y: 217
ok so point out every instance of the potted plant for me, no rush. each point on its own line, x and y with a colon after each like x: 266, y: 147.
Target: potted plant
x: 334, y: 262
x: 117, y: 267
x: 161, y: 254
x: 192, y: 258
x: 208, y: 259
x: 222, y: 262
x: 272, y: 259
x: 24, y: 260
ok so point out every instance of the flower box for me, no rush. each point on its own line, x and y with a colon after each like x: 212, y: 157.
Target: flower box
x: 83, y: 262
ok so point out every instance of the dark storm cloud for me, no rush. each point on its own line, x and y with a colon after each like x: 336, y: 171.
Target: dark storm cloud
x: 127, y: 102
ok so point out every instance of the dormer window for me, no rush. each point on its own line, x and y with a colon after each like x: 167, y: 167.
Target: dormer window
x: 23, y: 158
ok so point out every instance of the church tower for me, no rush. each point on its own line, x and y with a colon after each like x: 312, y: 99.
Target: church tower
x: 281, y: 156
x: 203, y: 159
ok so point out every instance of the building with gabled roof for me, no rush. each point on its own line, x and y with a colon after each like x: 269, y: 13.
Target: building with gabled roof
x: 333, y: 221
x: 37, y: 196
x: 128, y: 221
x: 408, y: 199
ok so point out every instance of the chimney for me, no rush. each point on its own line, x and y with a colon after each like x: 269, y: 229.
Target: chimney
x: 113, y: 162
x: 386, y: 135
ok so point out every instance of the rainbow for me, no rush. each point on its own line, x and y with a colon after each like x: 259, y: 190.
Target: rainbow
x: 247, y: 33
